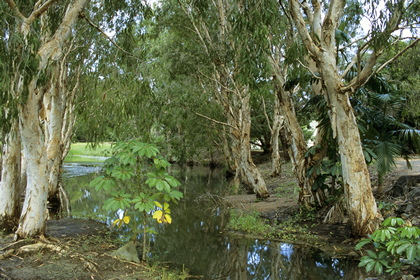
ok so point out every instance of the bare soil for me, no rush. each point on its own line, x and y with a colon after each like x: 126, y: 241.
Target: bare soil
x: 80, y: 248
x: 75, y: 249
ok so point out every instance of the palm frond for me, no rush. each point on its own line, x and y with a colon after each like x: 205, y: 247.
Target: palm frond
x: 386, y: 152
x: 408, y: 134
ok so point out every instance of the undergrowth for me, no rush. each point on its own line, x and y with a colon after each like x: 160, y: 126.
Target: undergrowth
x: 253, y: 224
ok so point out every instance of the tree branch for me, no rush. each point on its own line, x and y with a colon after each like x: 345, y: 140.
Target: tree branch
x: 40, y: 10
x: 197, y: 30
x: 14, y: 8
x: 380, y: 68
x: 364, y: 75
x: 309, y: 69
x: 266, y: 116
x: 213, y: 120
x: 329, y: 25
x: 316, y: 18
x: 307, y: 11
x: 303, y: 31
x: 106, y: 36
x: 54, y: 47
x: 355, y: 59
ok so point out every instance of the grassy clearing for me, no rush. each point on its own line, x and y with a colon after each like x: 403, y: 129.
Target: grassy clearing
x: 82, y: 152
x: 252, y: 224
x: 249, y: 222
x: 85, y: 149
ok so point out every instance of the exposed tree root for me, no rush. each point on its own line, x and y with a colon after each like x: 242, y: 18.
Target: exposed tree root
x: 3, y: 275
x: 36, y: 247
x: 44, y: 243
x: 12, y: 245
x: 6, y: 254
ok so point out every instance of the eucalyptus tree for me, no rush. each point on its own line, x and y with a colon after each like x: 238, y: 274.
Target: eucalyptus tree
x: 280, y: 51
x: 232, y: 77
x: 10, y: 142
x: 317, y: 30
x: 10, y: 177
x: 267, y: 123
x: 117, y: 101
x: 44, y: 56
x: 144, y: 87
x: 286, y: 78
x: 37, y: 39
x: 184, y: 100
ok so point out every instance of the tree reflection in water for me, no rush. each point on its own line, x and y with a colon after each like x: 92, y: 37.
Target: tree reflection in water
x: 197, y: 241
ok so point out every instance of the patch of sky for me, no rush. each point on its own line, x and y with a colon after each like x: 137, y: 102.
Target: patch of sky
x: 318, y: 264
x: 286, y: 250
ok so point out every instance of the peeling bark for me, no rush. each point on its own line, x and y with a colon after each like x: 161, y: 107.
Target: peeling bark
x: 42, y: 125
x: 295, y: 138
x: 249, y: 173
x: 361, y: 205
x: 10, y: 180
x: 278, y: 121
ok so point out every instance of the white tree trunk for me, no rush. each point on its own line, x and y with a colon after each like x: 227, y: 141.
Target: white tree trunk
x: 231, y: 94
x: 58, y: 103
x: 278, y: 121
x: 249, y: 173
x: 34, y: 211
x: 41, y: 122
x: 10, y: 180
x: 361, y: 204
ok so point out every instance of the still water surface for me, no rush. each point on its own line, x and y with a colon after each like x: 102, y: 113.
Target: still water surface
x: 196, y: 238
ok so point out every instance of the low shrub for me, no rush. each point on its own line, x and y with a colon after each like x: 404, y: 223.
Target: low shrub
x: 395, y: 243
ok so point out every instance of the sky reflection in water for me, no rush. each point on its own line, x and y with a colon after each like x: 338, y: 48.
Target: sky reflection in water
x: 196, y: 238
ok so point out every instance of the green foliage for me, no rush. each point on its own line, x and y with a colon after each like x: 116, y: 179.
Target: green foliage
x: 385, y: 207
x: 321, y: 171
x: 136, y: 169
x: 249, y: 222
x: 395, y: 243
x: 385, y: 135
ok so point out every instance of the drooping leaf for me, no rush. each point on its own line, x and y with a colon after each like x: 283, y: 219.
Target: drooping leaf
x: 365, y: 260
x: 362, y: 243
x: 172, y: 181
x: 103, y: 182
x: 123, y: 172
x: 412, y: 252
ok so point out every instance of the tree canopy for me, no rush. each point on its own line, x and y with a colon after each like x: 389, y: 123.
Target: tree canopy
x: 208, y: 81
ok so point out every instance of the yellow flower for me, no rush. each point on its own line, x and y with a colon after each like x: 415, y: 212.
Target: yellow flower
x: 120, y: 222
x: 163, y: 215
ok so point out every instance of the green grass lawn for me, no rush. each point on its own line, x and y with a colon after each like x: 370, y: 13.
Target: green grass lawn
x: 79, y: 151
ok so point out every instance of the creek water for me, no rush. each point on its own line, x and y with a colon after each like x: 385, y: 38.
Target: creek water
x: 197, y: 239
